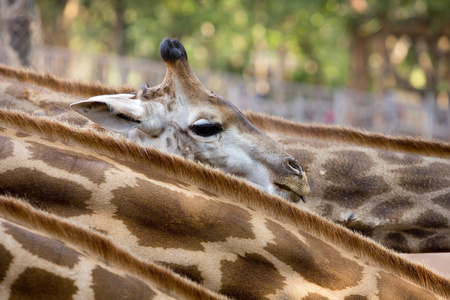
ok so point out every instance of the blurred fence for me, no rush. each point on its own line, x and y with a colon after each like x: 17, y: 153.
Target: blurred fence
x: 393, y: 112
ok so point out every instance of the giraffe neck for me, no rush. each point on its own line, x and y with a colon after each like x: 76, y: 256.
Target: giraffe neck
x: 406, y: 213
x: 350, y: 136
x: 399, y: 199
x: 46, y: 257
x: 212, y: 227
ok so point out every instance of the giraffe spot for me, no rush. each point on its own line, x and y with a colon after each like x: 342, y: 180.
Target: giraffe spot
x: 304, y: 157
x: 392, y: 287
x: 258, y: 277
x: 440, y: 243
x: 443, y: 200
x: 399, y: 158
x: 168, y: 143
x: 161, y: 217
x: 314, y: 296
x: 356, y: 297
x: 5, y: 261
x: 46, y: 248
x: 316, y: 261
x: 6, y: 147
x: 397, y: 241
x: 423, y: 180
x: 36, y: 283
x: 418, y: 232
x: 392, y: 209
x: 74, y: 162
x: 107, y: 285
x: 191, y: 272
x: 432, y: 219
x: 352, y: 187
x: 61, y: 196
x: 21, y: 134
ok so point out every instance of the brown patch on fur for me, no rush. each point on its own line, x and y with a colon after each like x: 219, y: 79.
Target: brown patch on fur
x: 431, y: 219
x: 356, y: 297
x: 443, y: 200
x: 396, y: 241
x: 35, y: 283
x: 352, y: 187
x: 22, y: 134
x: 392, y: 209
x: 64, y: 197
x: 191, y: 272
x: 400, y: 158
x: 74, y: 162
x: 392, y: 287
x: 227, y: 186
x: 440, y: 243
x: 5, y: 261
x: 418, y: 232
x: 107, y: 285
x: 44, y: 247
x: 178, y: 221
x: 315, y: 261
x: 350, y: 136
x: 95, y: 245
x: 314, y: 296
x: 424, y: 179
x: 259, y: 276
x: 6, y: 147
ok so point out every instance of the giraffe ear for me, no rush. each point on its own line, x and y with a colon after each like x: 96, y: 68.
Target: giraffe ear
x: 120, y: 113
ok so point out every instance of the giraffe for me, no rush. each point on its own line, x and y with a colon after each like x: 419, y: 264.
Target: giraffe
x: 46, y: 257
x: 397, y: 191
x: 397, y: 217
x: 214, y: 228
x: 181, y: 116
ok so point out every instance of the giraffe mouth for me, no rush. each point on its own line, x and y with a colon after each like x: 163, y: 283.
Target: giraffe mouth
x: 291, y: 191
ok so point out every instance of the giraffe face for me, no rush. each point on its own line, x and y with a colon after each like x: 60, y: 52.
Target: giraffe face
x: 182, y: 117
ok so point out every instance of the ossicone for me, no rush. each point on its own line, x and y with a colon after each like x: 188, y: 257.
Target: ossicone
x: 172, y: 50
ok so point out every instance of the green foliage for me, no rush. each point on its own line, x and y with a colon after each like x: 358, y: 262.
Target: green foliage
x: 308, y: 40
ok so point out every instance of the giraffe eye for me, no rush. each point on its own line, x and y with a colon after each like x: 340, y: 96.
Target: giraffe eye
x: 205, y: 128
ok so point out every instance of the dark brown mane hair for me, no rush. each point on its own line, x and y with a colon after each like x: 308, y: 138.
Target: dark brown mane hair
x: 347, y: 135
x: 237, y: 189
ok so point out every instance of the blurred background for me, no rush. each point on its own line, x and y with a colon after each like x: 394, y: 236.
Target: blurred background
x: 379, y: 65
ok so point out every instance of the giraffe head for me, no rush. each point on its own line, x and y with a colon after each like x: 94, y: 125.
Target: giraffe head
x: 181, y: 116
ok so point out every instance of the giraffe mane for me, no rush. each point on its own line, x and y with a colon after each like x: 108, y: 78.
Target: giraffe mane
x: 57, y: 84
x: 348, y: 135
x: 17, y: 211
x: 237, y: 189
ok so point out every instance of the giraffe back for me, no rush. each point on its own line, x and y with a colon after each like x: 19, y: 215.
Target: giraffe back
x: 211, y: 227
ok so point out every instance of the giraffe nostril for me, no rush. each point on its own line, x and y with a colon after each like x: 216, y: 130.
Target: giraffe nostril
x: 295, y: 166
